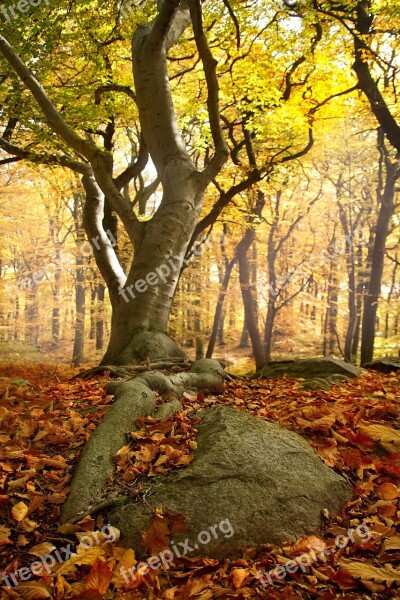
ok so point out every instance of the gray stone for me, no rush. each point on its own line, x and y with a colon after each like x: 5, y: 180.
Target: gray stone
x: 309, y: 368
x: 316, y: 384
x: 265, y: 480
x: 385, y: 365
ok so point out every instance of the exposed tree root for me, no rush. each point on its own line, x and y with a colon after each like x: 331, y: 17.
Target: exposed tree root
x: 132, y: 370
x: 134, y: 398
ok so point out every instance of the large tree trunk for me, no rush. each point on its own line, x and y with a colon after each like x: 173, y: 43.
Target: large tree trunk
x: 141, y: 303
x: 371, y: 299
x: 144, y: 302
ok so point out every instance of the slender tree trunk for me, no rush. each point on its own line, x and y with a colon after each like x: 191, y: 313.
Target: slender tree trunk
x: 269, y: 326
x: 93, y: 296
x: 17, y: 324
x: 55, y: 319
x: 79, y: 329
x: 371, y: 299
x: 31, y: 316
x: 244, y: 338
x: 330, y: 340
x: 100, y: 317
x: 250, y: 309
x: 219, y: 307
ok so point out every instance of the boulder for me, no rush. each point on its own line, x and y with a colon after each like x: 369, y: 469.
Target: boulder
x: 262, y: 479
x: 309, y: 368
x: 384, y: 365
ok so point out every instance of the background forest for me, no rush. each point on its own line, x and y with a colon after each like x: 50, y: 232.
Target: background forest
x: 283, y: 261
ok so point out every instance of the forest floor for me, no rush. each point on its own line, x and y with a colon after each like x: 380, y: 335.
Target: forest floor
x: 45, y: 419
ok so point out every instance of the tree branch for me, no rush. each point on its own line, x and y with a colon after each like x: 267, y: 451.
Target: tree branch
x: 54, y: 118
x: 134, y: 169
x: 162, y: 24
x: 113, y: 87
x: 62, y: 161
x: 104, y: 253
x: 210, y: 71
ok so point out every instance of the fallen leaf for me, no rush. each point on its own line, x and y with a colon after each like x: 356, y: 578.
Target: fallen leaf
x: 367, y: 572
x: 42, y: 549
x: 387, y: 491
x: 387, y: 436
x: 157, y: 537
x: 238, y: 577
x: 19, y: 511
x: 99, y: 577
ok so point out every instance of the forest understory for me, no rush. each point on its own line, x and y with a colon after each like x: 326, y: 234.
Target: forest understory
x: 46, y: 421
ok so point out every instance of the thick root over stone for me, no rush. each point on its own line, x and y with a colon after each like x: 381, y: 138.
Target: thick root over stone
x: 134, y: 398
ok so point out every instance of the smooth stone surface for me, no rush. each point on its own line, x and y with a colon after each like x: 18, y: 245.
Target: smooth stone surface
x: 309, y: 368
x: 264, y: 480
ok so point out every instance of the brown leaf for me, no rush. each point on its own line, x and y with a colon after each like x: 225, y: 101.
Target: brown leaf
x: 387, y: 436
x: 4, y: 535
x: 157, y: 537
x: 33, y: 590
x: 306, y: 544
x: 42, y: 549
x: 99, y: 577
x: 368, y: 573
x: 238, y: 577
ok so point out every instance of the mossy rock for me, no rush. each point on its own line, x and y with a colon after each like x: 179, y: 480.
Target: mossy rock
x: 309, y: 368
x: 265, y: 481
x: 316, y: 384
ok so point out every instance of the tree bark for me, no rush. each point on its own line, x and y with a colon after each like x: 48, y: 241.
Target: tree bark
x: 386, y: 211
x: 246, y: 286
x: 220, y: 306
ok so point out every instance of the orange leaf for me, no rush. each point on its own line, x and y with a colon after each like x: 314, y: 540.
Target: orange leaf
x: 306, y: 544
x: 387, y: 491
x: 238, y: 577
x: 157, y: 537
x: 352, y: 457
x: 99, y: 577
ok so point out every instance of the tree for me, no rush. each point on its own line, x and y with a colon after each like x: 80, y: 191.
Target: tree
x: 389, y: 173
x: 141, y: 301
x: 373, y: 30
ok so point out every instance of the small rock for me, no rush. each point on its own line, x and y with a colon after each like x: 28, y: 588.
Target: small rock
x: 316, y: 384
